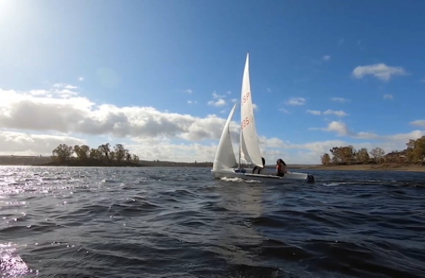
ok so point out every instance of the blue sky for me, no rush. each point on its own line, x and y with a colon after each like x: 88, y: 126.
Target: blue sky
x: 323, y: 74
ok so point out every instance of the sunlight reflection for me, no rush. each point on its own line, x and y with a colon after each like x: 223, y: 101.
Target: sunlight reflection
x: 11, y: 265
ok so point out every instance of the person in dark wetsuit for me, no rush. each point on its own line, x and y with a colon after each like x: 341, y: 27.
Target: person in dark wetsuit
x: 280, y: 167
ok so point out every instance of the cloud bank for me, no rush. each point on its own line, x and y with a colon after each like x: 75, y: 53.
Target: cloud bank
x: 34, y: 122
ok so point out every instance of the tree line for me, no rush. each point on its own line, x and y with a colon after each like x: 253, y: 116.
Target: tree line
x: 102, y: 155
x: 414, y: 153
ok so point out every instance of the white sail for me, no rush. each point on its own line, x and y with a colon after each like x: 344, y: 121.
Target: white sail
x: 249, y: 146
x: 225, y: 157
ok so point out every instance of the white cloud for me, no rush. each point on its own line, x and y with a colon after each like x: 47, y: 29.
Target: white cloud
x: 218, y: 100
x: 365, y: 135
x: 284, y: 110
x: 340, y: 41
x: 74, y: 114
x: 189, y: 91
x: 380, y: 71
x: 405, y: 137
x: 420, y: 123
x: 268, y: 90
x: 218, y: 103
x: 388, y: 96
x: 80, y: 78
x: 65, y: 86
x: 296, y: 101
x: 340, y: 99
x: 314, y: 112
x: 217, y: 96
x: 19, y: 143
x: 339, y: 127
x: 326, y: 58
x: 339, y: 113
x: 192, y: 102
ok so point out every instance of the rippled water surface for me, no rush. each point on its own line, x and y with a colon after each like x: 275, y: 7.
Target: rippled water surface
x: 179, y: 222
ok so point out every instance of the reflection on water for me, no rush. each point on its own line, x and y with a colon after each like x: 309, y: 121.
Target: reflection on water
x: 11, y: 265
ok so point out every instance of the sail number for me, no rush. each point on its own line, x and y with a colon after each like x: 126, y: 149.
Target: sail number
x: 245, y: 122
x: 246, y: 97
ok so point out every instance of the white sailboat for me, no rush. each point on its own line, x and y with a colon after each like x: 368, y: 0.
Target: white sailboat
x: 225, y: 164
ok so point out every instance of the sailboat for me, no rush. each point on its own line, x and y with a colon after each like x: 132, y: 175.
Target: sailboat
x: 225, y: 164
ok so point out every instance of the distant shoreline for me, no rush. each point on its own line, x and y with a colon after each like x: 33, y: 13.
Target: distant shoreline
x: 11, y: 160
x: 76, y: 163
x: 370, y: 167
x: 21, y: 160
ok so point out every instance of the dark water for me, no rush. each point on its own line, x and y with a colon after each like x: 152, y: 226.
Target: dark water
x: 168, y: 222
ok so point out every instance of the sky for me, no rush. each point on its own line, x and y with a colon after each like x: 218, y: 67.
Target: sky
x: 161, y: 76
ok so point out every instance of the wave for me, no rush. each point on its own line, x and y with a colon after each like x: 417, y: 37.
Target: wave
x: 166, y: 222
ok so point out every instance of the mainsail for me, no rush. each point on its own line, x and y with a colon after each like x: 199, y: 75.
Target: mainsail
x: 249, y: 146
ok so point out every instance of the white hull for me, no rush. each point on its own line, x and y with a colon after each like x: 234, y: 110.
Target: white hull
x: 289, y: 177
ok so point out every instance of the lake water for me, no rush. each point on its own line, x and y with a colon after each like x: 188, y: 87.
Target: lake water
x: 179, y: 222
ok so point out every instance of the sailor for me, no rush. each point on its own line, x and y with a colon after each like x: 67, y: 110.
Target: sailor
x: 280, y: 167
x: 259, y: 170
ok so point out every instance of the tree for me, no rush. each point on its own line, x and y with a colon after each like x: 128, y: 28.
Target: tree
x: 362, y: 155
x: 377, y: 154
x: 120, y: 152
x: 336, y: 154
x: 104, y: 149
x: 102, y: 155
x: 326, y: 159
x: 343, y: 154
x: 82, y: 152
x: 95, y: 154
x: 135, y: 158
x: 416, y: 149
x: 63, y: 152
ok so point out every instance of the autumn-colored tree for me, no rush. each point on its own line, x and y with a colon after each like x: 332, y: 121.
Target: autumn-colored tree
x: 326, y: 159
x: 377, y: 154
x: 343, y: 154
x: 416, y: 150
x: 362, y: 156
x: 336, y: 154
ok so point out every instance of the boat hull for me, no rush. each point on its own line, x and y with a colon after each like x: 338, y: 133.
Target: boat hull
x: 289, y: 177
